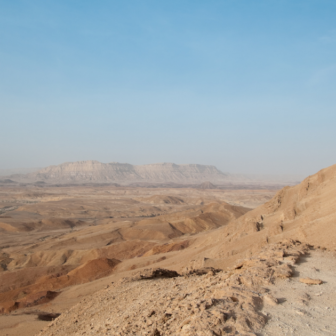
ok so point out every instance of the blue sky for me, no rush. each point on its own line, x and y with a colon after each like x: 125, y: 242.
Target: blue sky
x: 248, y: 86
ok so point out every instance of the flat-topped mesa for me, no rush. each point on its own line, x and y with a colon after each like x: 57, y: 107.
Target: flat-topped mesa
x: 95, y: 171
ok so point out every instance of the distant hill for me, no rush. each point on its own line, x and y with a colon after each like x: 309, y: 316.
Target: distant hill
x: 207, y: 185
x: 94, y: 171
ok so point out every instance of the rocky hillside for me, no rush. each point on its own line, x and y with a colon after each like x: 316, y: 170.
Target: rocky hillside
x: 207, y: 302
x: 94, y: 171
x: 305, y: 212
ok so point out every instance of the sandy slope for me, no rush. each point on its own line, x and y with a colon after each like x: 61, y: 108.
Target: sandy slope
x: 306, y: 212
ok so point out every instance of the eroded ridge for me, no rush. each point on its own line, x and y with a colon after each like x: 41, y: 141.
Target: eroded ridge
x: 216, y: 303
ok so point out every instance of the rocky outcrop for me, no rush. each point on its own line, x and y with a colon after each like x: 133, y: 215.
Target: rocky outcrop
x: 213, y: 303
x: 152, y: 273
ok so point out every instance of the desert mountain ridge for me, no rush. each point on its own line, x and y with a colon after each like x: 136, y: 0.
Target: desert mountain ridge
x: 92, y: 171
x: 114, y: 172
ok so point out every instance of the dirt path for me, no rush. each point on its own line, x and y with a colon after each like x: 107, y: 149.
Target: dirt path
x: 303, y: 309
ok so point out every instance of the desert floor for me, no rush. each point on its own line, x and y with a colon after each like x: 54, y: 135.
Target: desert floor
x: 59, y: 244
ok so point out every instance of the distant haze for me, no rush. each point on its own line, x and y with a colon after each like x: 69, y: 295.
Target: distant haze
x: 6, y: 172
x: 246, y: 86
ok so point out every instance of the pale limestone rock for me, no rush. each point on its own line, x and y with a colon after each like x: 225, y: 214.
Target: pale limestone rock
x: 309, y: 281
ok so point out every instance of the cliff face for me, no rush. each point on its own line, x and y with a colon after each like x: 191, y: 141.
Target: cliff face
x: 94, y: 171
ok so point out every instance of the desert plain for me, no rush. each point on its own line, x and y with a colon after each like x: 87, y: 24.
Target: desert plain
x: 62, y: 238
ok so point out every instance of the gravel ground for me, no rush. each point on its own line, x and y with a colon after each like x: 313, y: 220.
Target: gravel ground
x: 303, y: 309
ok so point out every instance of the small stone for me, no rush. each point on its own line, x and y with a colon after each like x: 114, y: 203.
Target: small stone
x: 270, y: 300
x: 309, y: 281
x: 300, y: 312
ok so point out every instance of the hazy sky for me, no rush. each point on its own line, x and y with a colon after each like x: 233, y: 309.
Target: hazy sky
x: 248, y: 86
